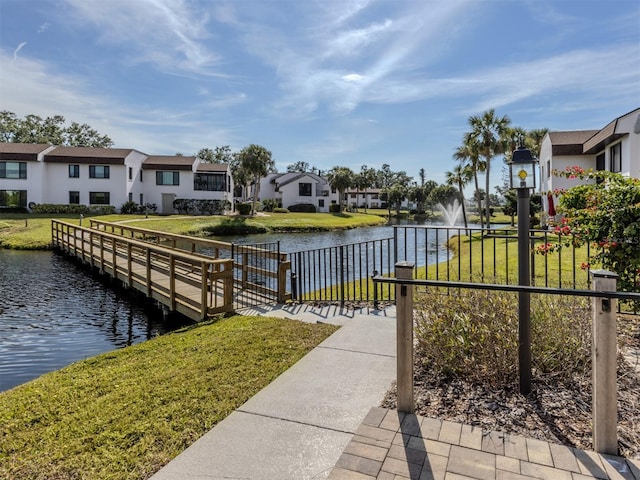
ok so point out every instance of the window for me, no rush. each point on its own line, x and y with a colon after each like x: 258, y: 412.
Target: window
x: 615, y: 156
x: 74, y: 171
x: 13, y: 198
x: 321, y: 203
x: 209, y: 182
x: 74, y: 198
x: 98, y: 171
x: 141, y: 197
x: 374, y: 196
x: 99, y: 198
x: 600, y: 162
x: 140, y: 175
x: 353, y: 195
x: 13, y: 170
x: 548, y: 168
x: 304, y: 189
x: 130, y: 173
x: 131, y: 196
x: 167, y: 178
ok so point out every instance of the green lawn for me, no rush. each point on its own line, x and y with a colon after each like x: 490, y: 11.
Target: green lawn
x: 23, y: 231
x: 125, y: 414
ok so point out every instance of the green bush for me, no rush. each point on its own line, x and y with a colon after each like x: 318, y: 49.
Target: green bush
x: 271, y: 204
x: 190, y: 206
x: 49, y: 208
x: 303, y: 208
x: 233, y: 228
x: 128, y: 208
x: 243, y: 208
x: 334, y: 208
x: 473, y: 334
x: 280, y: 210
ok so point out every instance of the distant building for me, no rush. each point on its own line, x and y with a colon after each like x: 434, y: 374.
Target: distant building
x: 297, y: 188
x: 34, y: 174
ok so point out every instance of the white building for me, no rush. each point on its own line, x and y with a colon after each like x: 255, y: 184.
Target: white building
x: 297, y: 188
x: 615, y: 148
x: 33, y: 174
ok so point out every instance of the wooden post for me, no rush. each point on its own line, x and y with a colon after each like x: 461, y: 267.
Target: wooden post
x: 204, y: 271
x: 284, y: 266
x: 148, y: 265
x: 404, y: 337
x: 604, y: 366
x: 172, y: 282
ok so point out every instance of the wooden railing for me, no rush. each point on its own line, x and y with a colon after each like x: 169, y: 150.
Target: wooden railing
x: 191, y: 284
x: 241, y: 255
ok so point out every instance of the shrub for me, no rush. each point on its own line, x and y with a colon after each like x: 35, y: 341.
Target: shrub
x: 49, y: 208
x: 473, y: 334
x: 190, y: 206
x: 334, y: 208
x: 233, y: 228
x: 303, y: 208
x: 129, y: 208
x: 270, y: 204
x: 243, y: 208
x: 280, y: 210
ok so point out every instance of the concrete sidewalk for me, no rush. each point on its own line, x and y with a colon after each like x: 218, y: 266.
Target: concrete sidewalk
x: 320, y: 420
x: 298, y: 426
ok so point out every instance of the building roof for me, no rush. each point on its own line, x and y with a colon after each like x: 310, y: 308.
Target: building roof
x: 282, y: 179
x: 570, y: 143
x: 111, y: 156
x: 22, y: 151
x: 168, y: 162
x: 212, y: 167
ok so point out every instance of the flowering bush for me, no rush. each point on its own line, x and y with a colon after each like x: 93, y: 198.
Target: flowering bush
x: 605, y: 214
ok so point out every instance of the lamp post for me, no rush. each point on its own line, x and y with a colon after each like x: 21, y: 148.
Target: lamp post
x: 522, y: 175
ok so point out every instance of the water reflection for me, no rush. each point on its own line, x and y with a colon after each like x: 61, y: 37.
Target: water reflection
x: 53, y: 313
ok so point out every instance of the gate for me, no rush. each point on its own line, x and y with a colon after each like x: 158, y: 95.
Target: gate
x: 260, y: 274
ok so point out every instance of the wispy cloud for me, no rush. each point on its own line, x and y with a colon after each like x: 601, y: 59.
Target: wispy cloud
x: 167, y: 33
x: 38, y: 88
x: 20, y: 47
x: 43, y: 28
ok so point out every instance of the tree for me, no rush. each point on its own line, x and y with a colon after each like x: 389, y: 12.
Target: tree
x: 468, y: 153
x: 396, y: 195
x: 459, y: 177
x: 444, y: 194
x: 255, y: 162
x: 300, y: 166
x: 488, y: 136
x: 340, y: 178
x: 366, y: 180
x: 51, y: 130
x: 218, y: 155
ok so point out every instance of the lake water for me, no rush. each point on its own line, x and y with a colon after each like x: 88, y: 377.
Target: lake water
x: 53, y: 313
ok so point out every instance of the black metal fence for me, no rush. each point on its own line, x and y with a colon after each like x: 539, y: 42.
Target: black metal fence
x: 344, y: 273
x: 256, y: 268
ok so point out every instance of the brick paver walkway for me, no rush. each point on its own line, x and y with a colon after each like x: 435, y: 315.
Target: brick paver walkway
x: 390, y: 445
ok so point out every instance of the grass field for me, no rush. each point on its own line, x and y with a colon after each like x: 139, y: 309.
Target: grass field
x: 125, y: 414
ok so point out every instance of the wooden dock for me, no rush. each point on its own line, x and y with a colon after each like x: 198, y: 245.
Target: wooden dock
x: 191, y: 284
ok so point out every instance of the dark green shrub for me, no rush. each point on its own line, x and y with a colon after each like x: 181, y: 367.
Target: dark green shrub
x: 270, y: 204
x: 243, y: 208
x: 60, y: 208
x: 473, y: 334
x: 303, y: 208
x: 334, y: 208
x: 129, y: 208
x: 233, y: 228
x: 190, y: 206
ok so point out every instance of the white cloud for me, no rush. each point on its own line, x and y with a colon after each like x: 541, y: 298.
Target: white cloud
x: 168, y: 33
x: 33, y: 87
x: 352, y: 77
x: 43, y: 27
x: 20, y: 47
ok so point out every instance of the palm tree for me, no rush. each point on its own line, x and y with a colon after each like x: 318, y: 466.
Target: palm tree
x: 534, y: 140
x: 256, y: 162
x: 459, y: 177
x: 468, y: 154
x: 340, y: 178
x: 488, y: 134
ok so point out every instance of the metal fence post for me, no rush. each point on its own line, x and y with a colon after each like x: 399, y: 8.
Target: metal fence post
x: 404, y: 337
x: 341, y: 250
x: 604, y: 367
x: 375, y: 290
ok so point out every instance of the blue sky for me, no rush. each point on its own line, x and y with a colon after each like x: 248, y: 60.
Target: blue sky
x: 329, y: 82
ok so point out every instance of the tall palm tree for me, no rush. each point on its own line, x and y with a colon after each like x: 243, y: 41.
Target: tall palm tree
x: 468, y: 154
x: 256, y: 162
x: 340, y: 178
x: 459, y: 177
x: 488, y: 134
x: 534, y: 140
